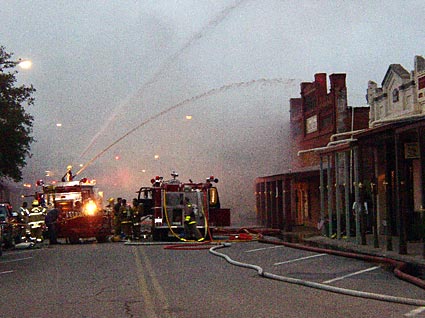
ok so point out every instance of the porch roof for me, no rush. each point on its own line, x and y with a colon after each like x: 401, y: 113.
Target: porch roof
x: 291, y: 173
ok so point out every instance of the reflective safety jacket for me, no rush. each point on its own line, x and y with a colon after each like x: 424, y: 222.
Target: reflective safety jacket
x: 189, y: 220
x: 189, y: 214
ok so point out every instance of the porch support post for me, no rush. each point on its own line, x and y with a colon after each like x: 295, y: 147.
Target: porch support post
x: 357, y: 193
x: 347, y: 192
x: 374, y: 192
x: 421, y: 140
x: 330, y: 196
x: 388, y: 184
x: 293, y: 204
x: 337, y: 197
x: 322, y: 197
x: 402, y: 244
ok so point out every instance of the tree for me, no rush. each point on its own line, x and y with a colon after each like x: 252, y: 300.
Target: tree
x: 15, y: 122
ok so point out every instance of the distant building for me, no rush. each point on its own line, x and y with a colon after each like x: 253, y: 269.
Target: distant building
x: 318, y: 115
x: 13, y: 193
x: 401, y: 94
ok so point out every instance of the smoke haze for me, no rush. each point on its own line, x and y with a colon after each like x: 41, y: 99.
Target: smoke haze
x: 120, y: 76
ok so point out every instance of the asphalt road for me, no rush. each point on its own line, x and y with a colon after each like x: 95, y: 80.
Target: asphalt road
x: 117, y: 280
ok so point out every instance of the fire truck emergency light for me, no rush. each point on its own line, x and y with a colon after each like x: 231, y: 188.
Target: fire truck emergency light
x: 90, y: 208
x: 212, y: 179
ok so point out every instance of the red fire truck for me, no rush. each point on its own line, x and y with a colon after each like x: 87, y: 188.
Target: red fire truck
x: 81, y: 214
x: 164, y: 200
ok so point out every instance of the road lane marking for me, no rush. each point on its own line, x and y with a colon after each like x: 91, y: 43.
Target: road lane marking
x: 299, y: 259
x: 146, y: 295
x: 157, y: 286
x: 6, y: 272
x: 352, y: 274
x: 263, y: 248
x: 15, y: 260
x: 414, y: 312
x: 147, y: 269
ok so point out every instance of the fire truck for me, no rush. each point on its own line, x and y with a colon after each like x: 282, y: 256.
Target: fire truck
x: 165, y: 200
x: 80, y: 210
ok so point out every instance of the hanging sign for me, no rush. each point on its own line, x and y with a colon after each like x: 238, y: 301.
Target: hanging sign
x: 411, y: 150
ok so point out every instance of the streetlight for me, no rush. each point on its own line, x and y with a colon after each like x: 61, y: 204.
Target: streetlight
x: 24, y: 64
x: 156, y: 157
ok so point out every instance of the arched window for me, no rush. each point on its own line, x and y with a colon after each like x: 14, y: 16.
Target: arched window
x: 395, y: 95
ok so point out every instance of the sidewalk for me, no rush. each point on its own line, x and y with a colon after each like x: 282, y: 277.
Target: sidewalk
x: 312, y: 237
x: 414, y: 257
x: 414, y: 249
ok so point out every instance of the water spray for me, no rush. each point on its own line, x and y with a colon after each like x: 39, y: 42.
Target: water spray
x: 211, y: 92
x: 222, y: 15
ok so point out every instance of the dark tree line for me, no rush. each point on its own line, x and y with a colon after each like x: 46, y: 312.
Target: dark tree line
x: 15, y: 122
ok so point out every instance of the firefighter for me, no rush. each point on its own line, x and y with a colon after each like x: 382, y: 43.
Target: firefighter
x: 137, y: 216
x: 109, y: 211
x: 36, y: 222
x: 24, y: 212
x: 23, y: 222
x: 117, y: 221
x: 191, y: 231
x: 125, y: 219
x: 51, y: 222
x: 68, y: 175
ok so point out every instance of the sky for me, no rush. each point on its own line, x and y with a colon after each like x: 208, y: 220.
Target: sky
x: 120, y: 76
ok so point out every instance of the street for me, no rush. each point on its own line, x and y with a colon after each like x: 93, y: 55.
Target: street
x: 119, y: 280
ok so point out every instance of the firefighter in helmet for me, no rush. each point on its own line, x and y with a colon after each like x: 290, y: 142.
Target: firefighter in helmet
x: 190, y: 229
x: 137, y: 213
x: 109, y: 211
x: 110, y: 207
x: 36, y: 221
x: 68, y: 176
x: 23, y: 222
x: 126, y: 220
x: 116, y: 221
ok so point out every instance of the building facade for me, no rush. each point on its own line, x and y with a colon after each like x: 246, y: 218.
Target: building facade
x: 371, y: 174
x: 401, y: 95
x: 293, y: 198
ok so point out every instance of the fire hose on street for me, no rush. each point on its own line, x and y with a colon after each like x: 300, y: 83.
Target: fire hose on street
x: 247, y: 234
x: 344, y: 291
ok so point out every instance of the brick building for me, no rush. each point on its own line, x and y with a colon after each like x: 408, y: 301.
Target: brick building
x: 356, y: 172
x: 381, y: 169
x: 293, y: 197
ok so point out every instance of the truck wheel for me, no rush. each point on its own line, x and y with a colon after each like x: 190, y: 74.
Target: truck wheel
x: 156, y: 235
x: 101, y: 238
x: 8, y: 242
x: 74, y: 239
x: 159, y: 235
